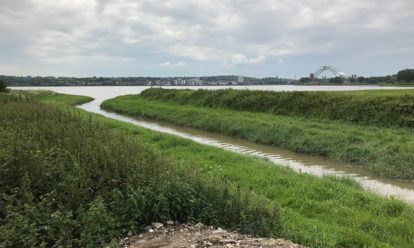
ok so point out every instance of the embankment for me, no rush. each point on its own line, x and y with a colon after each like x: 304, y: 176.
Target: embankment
x: 376, y: 107
x: 385, y: 151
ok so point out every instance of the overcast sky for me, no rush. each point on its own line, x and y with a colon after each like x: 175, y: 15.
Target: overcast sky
x: 204, y: 37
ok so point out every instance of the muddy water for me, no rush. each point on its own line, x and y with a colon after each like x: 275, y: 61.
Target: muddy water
x: 314, y: 165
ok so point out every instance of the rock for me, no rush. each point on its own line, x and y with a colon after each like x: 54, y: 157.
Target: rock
x: 156, y: 225
x: 199, y: 225
x: 193, y: 246
x: 228, y: 241
x: 129, y: 233
x: 170, y: 222
x: 151, y: 230
x: 207, y: 243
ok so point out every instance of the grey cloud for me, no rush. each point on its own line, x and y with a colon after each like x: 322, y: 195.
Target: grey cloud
x: 223, y: 36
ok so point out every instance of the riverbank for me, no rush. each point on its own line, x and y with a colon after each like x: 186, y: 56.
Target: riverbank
x: 383, y: 108
x: 316, y: 212
x: 385, y: 151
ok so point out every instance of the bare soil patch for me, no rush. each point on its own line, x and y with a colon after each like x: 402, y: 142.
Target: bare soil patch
x: 194, y: 236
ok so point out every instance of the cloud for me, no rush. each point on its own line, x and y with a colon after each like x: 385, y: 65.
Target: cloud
x: 212, y: 36
x: 169, y: 64
x: 240, y: 59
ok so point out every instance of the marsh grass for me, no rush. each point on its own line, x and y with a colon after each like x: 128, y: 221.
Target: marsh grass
x: 384, y: 108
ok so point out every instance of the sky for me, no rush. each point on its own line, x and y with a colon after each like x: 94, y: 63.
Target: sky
x: 259, y: 38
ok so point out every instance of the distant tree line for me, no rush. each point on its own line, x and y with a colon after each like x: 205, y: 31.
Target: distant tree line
x: 138, y: 81
x: 406, y: 76
x: 3, y: 85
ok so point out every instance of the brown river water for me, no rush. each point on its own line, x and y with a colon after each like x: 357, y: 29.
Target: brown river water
x: 315, y: 165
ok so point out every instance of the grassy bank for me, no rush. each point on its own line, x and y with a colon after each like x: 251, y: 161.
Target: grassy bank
x: 384, y: 151
x: 317, y: 212
x: 69, y: 181
x: 381, y: 108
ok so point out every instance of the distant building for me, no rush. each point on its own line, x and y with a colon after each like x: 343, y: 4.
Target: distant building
x: 240, y: 79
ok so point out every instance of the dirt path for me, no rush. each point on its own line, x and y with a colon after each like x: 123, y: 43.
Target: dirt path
x: 195, y: 236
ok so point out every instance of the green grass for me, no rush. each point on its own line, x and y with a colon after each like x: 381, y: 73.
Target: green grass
x: 73, y: 100
x: 383, y: 151
x: 377, y: 107
x: 317, y: 212
x: 67, y: 180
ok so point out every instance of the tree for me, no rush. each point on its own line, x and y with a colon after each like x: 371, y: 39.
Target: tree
x: 337, y: 80
x: 406, y: 75
x: 304, y: 80
x: 3, y: 85
x: 361, y: 80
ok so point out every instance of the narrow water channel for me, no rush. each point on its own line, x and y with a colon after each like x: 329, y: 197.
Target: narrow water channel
x: 314, y: 165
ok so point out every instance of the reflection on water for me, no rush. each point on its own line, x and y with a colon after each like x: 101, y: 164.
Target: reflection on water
x: 314, y: 165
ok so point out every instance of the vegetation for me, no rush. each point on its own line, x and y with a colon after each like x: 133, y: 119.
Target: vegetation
x: 384, y: 151
x: 3, y: 85
x: 149, y: 169
x: 406, y: 76
x: 381, y: 108
x: 53, y: 98
x: 316, y: 212
x: 67, y: 180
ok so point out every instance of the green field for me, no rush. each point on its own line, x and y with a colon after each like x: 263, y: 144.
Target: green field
x: 385, y: 151
x: 317, y: 212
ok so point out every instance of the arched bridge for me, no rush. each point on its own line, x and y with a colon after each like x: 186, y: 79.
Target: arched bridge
x: 331, y: 69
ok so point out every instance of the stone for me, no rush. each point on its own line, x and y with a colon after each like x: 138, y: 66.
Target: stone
x: 156, y: 225
x: 228, y: 241
x: 199, y: 225
x: 170, y: 222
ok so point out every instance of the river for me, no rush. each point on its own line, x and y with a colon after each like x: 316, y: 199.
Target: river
x: 314, y: 165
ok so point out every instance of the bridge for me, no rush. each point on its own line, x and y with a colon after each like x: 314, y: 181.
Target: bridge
x: 328, y: 68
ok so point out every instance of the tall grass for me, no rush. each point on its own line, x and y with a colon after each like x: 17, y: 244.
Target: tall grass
x: 379, y: 108
x: 69, y: 181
